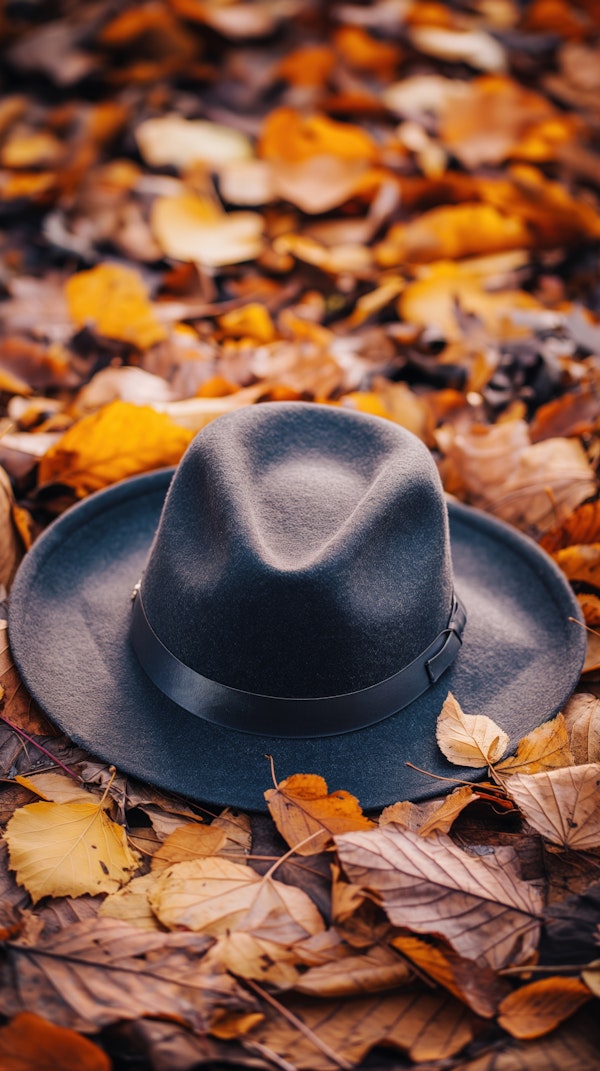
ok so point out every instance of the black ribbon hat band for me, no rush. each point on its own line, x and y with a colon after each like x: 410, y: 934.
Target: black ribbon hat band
x: 283, y: 716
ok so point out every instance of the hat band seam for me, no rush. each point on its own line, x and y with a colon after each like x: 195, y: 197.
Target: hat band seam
x: 285, y: 716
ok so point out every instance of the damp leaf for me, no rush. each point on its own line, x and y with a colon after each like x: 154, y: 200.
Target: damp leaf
x: 468, y: 739
x: 68, y: 849
x: 302, y: 807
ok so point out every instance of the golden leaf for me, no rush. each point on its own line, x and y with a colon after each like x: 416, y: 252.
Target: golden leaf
x: 468, y: 739
x: 479, y: 904
x: 30, y: 1043
x: 582, y: 719
x: 245, y: 955
x: 563, y: 805
x: 190, y: 228
x: 452, y: 231
x: 590, y: 608
x: 68, y: 849
x: 291, y: 137
x: 131, y: 904
x: 300, y: 806
x: 546, y: 748
x: 55, y: 787
x: 118, y: 441
x: 581, y: 562
x: 113, y: 300
x: 190, y: 841
x: 537, y: 1008
x: 215, y: 896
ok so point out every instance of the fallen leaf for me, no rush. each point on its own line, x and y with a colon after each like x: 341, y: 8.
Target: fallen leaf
x: 378, y: 968
x: 17, y: 705
x: 180, y: 142
x: 546, y: 748
x: 590, y: 608
x: 479, y: 904
x: 112, y: 299
x: 67, y: 849
x: 431, y: 816
x: 592, y: 656
x: 104, y: 971
x: 127, y: 384
x: 452, y: 231
x: 247, y: 956
x: 215, y: 896
x: 30, y: 1043
x: 55, y: 787
x: 301, y: 807
x: 580, y: 562
x: 119, y: 440
x: 537, y: 1008
x: 468, y: 739
x: 11, y: 548
x: 563, y: 805
x: 478, y: 49
x: 477, y: 986
x: 190, y: 228
x: 582, y: 720
x: 289, y: 136
x: 131, y: 904
x: 188, y: 842
x: 574, y: 1047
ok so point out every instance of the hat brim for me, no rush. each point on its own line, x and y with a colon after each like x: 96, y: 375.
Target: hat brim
x: 69, y: 616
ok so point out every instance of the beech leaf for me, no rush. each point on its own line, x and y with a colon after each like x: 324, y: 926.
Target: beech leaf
x: 30, y: 1043
x: 562, y: 805
x: 478, y: 903
x: 301, y: 807
x: 537, y: 1008
x: 468, y: 739
x: 68, y: 849
x: 546, y: 748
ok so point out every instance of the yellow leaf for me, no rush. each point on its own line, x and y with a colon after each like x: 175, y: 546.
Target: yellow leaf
x: 581, y: 562
x: 301, y: 806
x: 131, y: 904
x: 247, y: 956
x: 190, y: 841
x: 118, y: 441
x: 452, y: 231
x: 68, y: 849
x: 289, y: 136
x: 249, y: 321
x: 113, y: 300
x: 590, y: 608
x: 546, y: 748
x: 468, y: 739
x: 189, y: 228
x: 537, y: 1008
x: 55, y: 787
x: 563, y: 805
x: 581, y: 526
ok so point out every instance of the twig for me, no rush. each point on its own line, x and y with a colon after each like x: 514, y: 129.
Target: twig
x: 301, y: 1026
x: 40, y: 747
x: 268, y: 1054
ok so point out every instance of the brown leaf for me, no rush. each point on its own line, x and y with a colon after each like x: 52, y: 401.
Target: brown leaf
x: 17, y: 704
x: 301, y: 807
x: 479, y: 904
x: 430, y: 817
x: 376, y: 969
x: 30, y: 1043
x: 247, y: 956
x: 11, y: 547
x: 581, y: 526
x: 188, y: 842
x: 563, y: 805
x: 468, y: 739
x: 590, y: 608
x: 546, y: 748
x: 103, y: 971
x: 191, y: 228
x: 574, y: 1047
x: 131, y: 904
x: 582, y: 719
x: 477, y: 986
x: 537, y: 1008
x: 592, y: 655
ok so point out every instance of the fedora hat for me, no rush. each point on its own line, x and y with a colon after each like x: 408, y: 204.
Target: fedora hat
x: 300, y: 588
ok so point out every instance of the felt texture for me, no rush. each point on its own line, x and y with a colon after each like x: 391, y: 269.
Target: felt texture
x: 70, y: 609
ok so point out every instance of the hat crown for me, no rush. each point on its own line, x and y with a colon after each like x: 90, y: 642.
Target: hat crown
x: 302, y: 551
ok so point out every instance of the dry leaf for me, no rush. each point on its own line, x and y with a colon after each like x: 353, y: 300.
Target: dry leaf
x: 247, y: 956
x: 120, y: 440
x: 574, y: 1047
x: 376, y: 969
x: 187, y: 842
x: 55, y: 787
x: 582, y: 719
x: 479, y: 50
x: 479, y: 904
x: 592, y: 656
x: 452, y: 231
x: 124, y: 384
x: 180, y: 142
x: 537, y: 1008
x: 580, y: 563
x: 11, y: 547
x: 113, y: 300
x: 581, y: 526
x: 563, y: 805
x: 301, y: 807
x: 546, y: 748
x: 190, y: 228
x: 131, y: 904
x: 590, y: 608
x: 468, y: 739
x: 68, y: 849
x: 103, y: 971
x: 30, y: 1043
x: 17, y: 705
x: 430, y: 817
x: 215, y: 896
x: 477, y: 986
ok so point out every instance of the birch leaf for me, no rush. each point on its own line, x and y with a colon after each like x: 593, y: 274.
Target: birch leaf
x: 469, y: 739
x: 68, y: 849
x: 546, y: 748
x: 562, y: 805
x: 479, y: 904
x: 582, y: 719
x: 537, y: 1008
x: 302, y: 807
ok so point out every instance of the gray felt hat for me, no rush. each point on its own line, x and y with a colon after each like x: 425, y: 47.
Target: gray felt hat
x: 298, y: 588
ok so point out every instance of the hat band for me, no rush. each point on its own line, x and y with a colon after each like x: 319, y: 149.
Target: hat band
x: 270, y: 715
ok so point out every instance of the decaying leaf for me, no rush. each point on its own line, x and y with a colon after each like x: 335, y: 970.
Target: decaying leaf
x: 582, y: 720
x: 113, y: 300
x: 537, y: 1008
x: 120, y: 440
x: 479, y: 904
x: 301, y: 807
x: 468, y: 739
x: 30, y: 1043
x: 546, y: 748
x: 378, y: 968
x: 67, y: 849
x: 563, y: 805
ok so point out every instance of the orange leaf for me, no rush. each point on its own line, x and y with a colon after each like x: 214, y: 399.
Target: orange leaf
x: 118, y: 441
x: 300, y: 806
x: 581, y: 562
x: 113, y: 300
x: 291, y: 137
x: 452, y: 231
x: 30, y: 1043
x: 581, y: 526
x: 536, y: 1009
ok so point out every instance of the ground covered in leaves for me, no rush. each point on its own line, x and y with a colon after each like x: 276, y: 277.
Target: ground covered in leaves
x: 390, y: 206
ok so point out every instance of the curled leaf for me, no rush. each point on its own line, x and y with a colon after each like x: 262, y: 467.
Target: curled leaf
x: 468, y: 739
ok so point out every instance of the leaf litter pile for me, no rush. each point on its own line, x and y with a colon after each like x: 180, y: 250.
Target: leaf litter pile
x: 392, y: 207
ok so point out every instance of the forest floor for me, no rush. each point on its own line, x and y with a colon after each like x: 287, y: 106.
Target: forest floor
x: 392, y: 207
